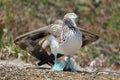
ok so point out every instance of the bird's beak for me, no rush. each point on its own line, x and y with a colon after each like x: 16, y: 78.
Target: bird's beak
x: 73, y: 22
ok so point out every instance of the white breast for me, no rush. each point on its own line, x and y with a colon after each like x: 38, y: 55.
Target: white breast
x: 72, y: 43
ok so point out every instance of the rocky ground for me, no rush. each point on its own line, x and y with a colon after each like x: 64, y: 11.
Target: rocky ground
x: 17, y: 70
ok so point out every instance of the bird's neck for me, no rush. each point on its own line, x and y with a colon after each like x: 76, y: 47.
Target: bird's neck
x: 70, y: 23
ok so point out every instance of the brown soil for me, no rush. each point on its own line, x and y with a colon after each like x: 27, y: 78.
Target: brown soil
x: 17, y: 70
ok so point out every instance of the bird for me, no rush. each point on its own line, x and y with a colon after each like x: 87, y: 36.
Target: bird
x: 63, y: 37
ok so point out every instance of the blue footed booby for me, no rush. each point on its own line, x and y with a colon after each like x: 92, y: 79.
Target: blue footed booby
x: 55, y: 40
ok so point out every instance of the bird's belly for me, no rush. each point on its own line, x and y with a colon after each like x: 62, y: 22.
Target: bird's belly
x: 71, y: 44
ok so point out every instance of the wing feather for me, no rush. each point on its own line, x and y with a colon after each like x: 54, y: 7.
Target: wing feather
x: 34, y: 42
x: 88, y: 37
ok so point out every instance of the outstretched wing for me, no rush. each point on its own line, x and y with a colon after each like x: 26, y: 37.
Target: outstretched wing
x: 88, y: 37
x: 32, y: 43
x: 35, y: 43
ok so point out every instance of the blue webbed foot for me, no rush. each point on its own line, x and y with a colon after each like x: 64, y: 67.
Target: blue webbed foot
x: 70, y: 65
x: 59, y: 66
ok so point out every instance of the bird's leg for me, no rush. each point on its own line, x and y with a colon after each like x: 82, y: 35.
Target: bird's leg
x: 55, y: 48
x: 70, y: 64
x: 58, y: 66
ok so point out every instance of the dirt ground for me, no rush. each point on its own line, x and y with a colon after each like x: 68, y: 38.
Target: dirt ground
x: 17, y: 70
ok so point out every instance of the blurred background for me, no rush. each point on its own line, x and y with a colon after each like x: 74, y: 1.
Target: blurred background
x: 101, y: 17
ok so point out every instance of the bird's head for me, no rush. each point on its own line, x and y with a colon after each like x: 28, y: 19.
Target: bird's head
x: 70, y: 19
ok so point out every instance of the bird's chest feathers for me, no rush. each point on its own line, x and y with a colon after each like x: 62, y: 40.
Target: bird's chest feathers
x: 72, y: 41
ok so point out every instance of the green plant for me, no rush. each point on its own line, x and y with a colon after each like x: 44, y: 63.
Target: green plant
x: 7, y: 46
x: 32, y: 13
x: 10, y: 17
x: 4, y: 2
x: 93, y: 52
x: 114, y: 23
x: 113, y: 58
